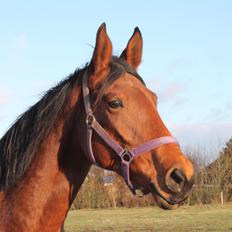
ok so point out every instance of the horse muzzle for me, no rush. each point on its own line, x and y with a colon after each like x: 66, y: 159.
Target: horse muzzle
x: 179, y: 192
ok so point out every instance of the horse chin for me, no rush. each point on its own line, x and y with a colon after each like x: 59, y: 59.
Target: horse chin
x: 163, y: 204
x: 161, y: 201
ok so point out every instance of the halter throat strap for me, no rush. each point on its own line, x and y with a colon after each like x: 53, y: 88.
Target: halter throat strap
x: 126, y: 155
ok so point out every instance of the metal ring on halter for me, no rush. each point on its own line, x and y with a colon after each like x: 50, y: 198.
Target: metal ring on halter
x: 126, y: 156
x: 90, y: 120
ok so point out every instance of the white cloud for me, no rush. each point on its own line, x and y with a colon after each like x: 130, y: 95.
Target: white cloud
x: 169, y: 92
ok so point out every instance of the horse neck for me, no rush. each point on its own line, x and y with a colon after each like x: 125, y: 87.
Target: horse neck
x: 41, y: 200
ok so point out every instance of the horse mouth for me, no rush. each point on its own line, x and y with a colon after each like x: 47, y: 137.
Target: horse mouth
x: 163, y: 204
x: 162, y: 201
x: 168, y: 203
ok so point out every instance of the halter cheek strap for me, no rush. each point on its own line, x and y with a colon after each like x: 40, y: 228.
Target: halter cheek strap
x: 126, y: 155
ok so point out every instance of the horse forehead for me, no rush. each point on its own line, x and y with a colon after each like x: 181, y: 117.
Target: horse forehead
x: 130, y: 85
x: 128, y: 82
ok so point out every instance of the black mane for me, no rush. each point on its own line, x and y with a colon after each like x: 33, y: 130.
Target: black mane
x: 20, y: 144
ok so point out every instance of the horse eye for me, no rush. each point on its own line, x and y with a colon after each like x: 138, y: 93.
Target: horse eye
x: 115, y: 104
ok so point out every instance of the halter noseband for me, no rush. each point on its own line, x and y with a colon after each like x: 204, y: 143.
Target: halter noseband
x: 126, y: 155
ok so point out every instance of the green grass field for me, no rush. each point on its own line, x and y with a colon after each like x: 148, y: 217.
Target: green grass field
x: 186, y: 218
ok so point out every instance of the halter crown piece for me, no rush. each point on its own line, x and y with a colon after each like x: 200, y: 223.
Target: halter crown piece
x: 126, y: 155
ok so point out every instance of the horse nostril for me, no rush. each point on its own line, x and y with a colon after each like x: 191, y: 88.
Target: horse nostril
x: 175, y: 180
x: 177, y: 176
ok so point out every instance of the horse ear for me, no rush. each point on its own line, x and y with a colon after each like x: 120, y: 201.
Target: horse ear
x: 133, y: 52
x: 103, y: 50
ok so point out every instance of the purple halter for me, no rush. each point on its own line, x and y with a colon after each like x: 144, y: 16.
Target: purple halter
x: 126, y: 155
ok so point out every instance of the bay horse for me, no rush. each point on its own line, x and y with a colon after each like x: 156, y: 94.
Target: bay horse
x: 101, y: 114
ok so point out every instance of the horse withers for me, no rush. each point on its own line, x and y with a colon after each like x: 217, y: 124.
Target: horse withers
x: 101, y: 114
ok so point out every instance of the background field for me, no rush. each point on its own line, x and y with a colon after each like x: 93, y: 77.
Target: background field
x: 186, y: 218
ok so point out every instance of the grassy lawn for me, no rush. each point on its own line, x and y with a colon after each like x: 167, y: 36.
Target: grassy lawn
x: 186, y: 218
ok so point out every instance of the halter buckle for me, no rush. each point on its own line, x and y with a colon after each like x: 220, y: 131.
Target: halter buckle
x: 90, y: 120
x: 126, y: 156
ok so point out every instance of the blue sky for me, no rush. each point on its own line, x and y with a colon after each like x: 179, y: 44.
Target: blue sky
x: 187, y: 57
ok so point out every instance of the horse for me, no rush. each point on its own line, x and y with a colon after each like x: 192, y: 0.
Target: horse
x: 102, y: 114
